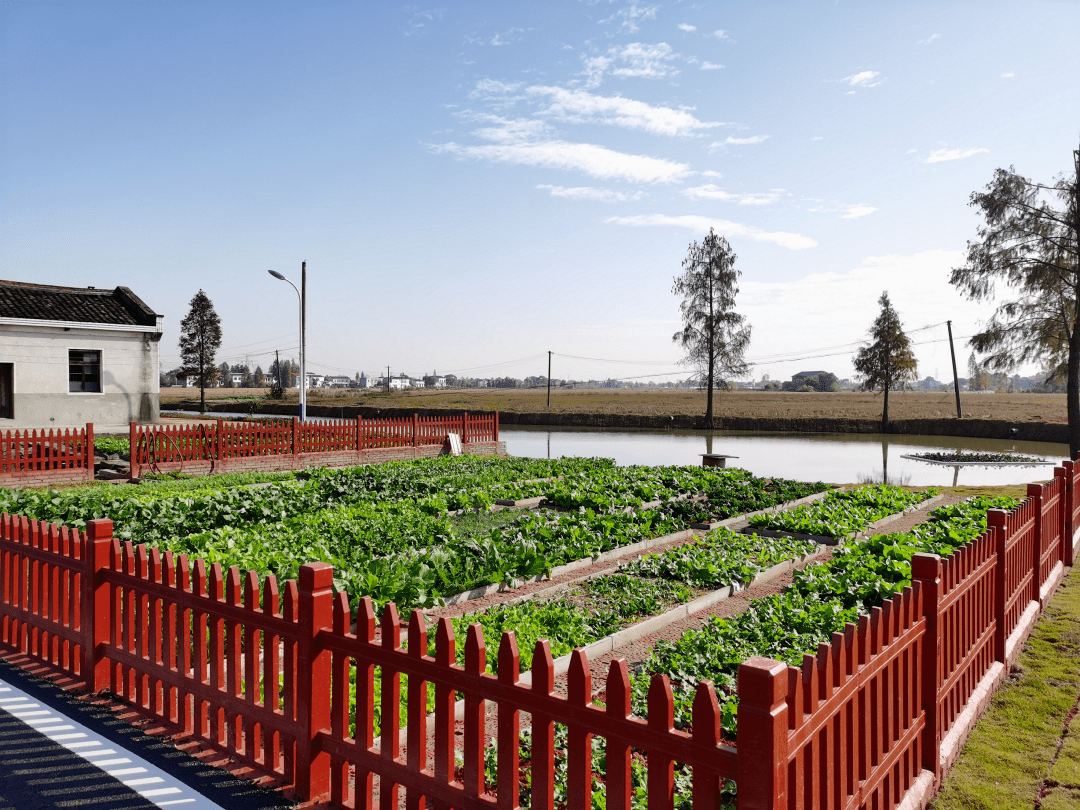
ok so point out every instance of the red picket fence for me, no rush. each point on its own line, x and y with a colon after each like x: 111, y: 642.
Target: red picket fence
x: 167, y: 447
x: 281, y: 680
x: 61, y: 454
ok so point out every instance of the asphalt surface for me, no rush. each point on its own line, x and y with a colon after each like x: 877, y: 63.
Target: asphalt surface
x: 57, y: 751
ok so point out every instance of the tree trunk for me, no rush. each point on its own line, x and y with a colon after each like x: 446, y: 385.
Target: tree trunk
x: 885, y: 412
x: 708, y: 403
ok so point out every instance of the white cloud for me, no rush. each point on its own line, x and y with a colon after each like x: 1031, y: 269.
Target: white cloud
x: 713, y: 192
x: 729, y: 141
x: 911, y: 151
x: 721, y: 34
x: 817, y: 138
x: 711, y: 173
x: 635, y: 60
x: 845, y: 304
x: 710, y: 66
x: 792, y: 241
x: 630, y: 15
x: 941, y: 155
x: 420, y: 20
x: 491, y: 87
x: 687, y: 27
x: 1008, y: 75
x: 507, y: 130
x: 593, y: 160
x: 577, y: 106
x: 506, y: 37
x: 590, y: 193
x: 929, y: 39
x: 856, y: 211
x: 863, y: 79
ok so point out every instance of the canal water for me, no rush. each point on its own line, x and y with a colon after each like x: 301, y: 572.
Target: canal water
x: 835, y: 458
x: 831, y: 457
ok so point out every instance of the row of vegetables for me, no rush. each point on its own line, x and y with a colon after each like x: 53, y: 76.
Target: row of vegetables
x: 821, y: 600
x: 386, y: 529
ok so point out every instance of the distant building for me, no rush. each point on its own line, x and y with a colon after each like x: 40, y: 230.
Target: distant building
x: 798, y: 380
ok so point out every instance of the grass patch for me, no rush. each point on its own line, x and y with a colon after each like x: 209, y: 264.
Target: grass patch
x: 1009, y: 760
x: 480, y: 523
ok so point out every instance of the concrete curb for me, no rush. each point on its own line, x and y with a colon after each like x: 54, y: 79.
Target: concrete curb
x: 780, y: 507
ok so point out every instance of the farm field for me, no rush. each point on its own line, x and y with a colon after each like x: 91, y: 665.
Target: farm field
x: 747, y: 404
x: 389, y: 530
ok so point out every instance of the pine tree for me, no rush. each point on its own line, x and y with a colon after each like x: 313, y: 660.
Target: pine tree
x: 200, y: 338
x: 713, y: 334
x: 887, y: 362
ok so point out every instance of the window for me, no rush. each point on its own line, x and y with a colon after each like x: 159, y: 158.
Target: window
x: 84, y: 371
x: 7, y: 390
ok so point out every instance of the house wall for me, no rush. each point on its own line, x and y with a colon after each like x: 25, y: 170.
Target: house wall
x: 129, y: 377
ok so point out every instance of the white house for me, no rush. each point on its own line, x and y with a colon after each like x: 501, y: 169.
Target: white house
x: 337, y: 381
x: 72, y: 355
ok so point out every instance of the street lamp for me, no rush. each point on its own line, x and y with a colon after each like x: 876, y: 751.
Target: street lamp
x: 302, y: 295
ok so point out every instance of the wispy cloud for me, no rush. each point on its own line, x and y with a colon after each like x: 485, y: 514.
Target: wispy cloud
x: 490, y: 88
x: 856, y: 211
x: 421, y: 19
x: 1008, y: 75
x: 929, y: 39
x: 528, y: 142
x: 941, y: 155
x: 862, y: 79
x: 699, y: 224
x: 722, y: 35
x: 710, y: 191
x: 506, y: 37
x: 687, y: 27
x: 710, y: 66
x: 730, y: 141
x: 635, y: 60
x: 628, y: 17
x: 594, y: 194
x: 711, y: 173
x: 579, y: 106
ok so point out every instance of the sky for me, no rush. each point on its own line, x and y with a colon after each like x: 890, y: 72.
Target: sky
x: 474, y: 185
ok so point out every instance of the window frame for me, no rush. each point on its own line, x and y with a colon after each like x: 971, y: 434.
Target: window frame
x: 11, y: 392
x: 100, y: 366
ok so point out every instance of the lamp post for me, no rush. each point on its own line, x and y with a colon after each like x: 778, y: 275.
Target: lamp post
x: 302, y: 295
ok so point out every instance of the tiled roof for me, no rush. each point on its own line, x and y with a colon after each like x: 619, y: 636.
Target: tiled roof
x: 44, y: 302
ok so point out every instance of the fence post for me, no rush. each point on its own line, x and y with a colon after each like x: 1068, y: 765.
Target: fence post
x: 464, y: 427
x: 762, y: 734
x: 295, y: 440
x: 96, y: 615
x: 313, y: 680
x: 1035, y: 493
x: 88, y: 458
x: 135, y: 466
x: 219, y: 450
x: 926, y: 569
x: 1070, y: 500
x: 359, y: 433
x: 997, y: 523
x: 1064, y: 510
x: 496, y: 427
x: 415, y: 429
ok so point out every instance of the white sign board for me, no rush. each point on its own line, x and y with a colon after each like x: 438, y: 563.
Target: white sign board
x: 455, y: 444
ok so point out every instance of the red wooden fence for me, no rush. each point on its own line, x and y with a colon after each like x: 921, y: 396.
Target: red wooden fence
x: 32, y: 454
x: 171, y: 446
x: 267, y: 676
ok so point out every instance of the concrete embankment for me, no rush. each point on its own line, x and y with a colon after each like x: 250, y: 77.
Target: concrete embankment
x: 967, y: 428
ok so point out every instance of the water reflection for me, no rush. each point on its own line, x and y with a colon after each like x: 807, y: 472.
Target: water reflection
x: 834, y: 458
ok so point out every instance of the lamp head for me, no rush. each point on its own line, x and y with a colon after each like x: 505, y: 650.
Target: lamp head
x: 277, y: 275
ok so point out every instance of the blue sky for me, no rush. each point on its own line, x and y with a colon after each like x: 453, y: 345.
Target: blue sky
x: 475, y: 184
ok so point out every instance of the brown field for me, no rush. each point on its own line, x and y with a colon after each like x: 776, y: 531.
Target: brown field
x: 754, y: 404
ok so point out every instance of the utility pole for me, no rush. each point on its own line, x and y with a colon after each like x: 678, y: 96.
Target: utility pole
x: 956, y: 379
x: 388, y: 379
x: 549, y: 379
x: 303, y: 344
x: 277, y: 367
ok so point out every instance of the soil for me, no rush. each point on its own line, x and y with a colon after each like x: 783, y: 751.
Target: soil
x: 1022, y: 408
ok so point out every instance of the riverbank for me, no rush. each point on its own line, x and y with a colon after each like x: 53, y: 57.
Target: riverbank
x: 1015, y: 426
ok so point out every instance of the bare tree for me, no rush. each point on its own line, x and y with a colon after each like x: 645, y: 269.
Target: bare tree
x: 1030, y: 245
x: 200, y: 338
x: 714, y: 336
x: 886, y: 362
